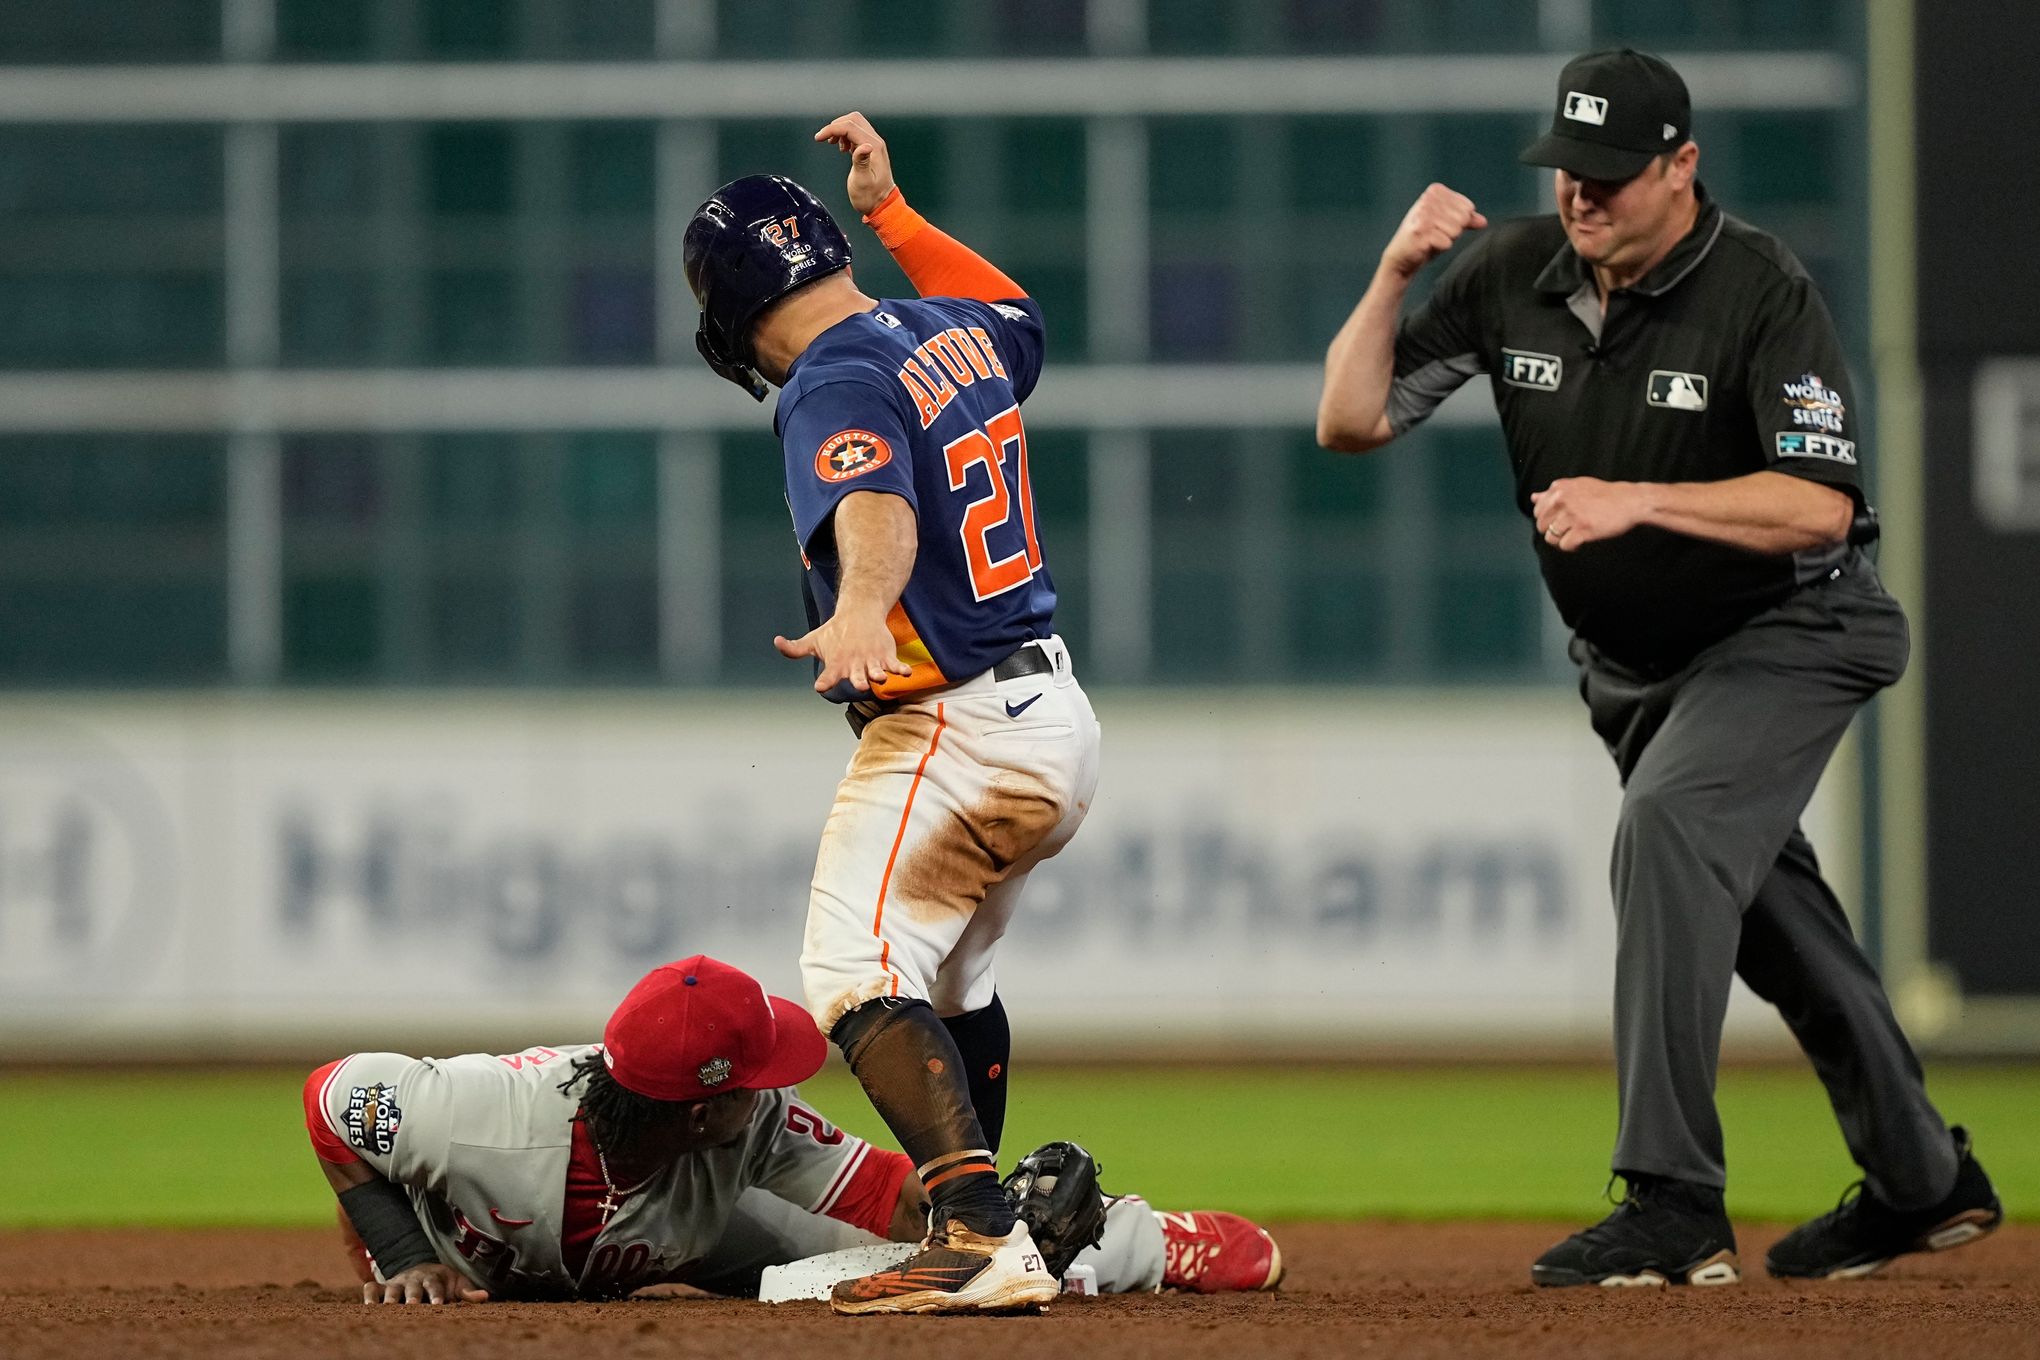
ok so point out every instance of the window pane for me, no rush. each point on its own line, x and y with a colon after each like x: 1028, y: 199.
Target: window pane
x: 1334, y: 163
x: 472, y: 558
x: 1787, y: 158
x: 110, y: 31
x: 112, y: 559
x: 64, y: 172
x: 330, y: 628
x: 114, y: 249
x: 325, y: 30
x: 1196, y: 537
x: 1469, y: 474
x: 468, y: 28
x: 470, y: 170
x: 1339, y: 627
x: 1487, y: 623
x: 1193, y: 164
x: 1059, y: 472
x: 108, y: 319
x: 1476, y: 154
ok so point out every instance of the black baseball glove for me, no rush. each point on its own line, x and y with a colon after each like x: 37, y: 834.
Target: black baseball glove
x: 1055, y: 1191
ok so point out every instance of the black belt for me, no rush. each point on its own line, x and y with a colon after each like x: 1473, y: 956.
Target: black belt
x: 1031, y: 659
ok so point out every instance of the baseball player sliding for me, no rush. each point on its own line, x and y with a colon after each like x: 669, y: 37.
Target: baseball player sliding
x: 674, y: 1151
x: 929, y: 604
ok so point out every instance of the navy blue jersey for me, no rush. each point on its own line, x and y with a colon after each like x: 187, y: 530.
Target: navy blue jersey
x: 921, y: 399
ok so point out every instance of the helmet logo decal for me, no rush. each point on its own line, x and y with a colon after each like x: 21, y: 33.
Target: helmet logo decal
x: 851, y: 453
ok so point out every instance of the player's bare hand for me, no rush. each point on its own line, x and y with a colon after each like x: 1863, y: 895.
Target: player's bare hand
x: 429, y: 1283
x: 870, y: 163
x: 1437, y: 219
x: 855, y: 645
x: 1575, y: 511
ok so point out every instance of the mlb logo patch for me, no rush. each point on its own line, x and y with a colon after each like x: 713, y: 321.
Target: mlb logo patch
x: 1586, y: 108
x: 1676, y: 391
x: 1526, y: 368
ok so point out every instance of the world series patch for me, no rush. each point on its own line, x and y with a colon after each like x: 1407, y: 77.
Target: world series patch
x: 372, y: 1117
x: 1815, y: 405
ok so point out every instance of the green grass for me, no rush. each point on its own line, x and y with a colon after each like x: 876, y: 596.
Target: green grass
x: 187, y: 1148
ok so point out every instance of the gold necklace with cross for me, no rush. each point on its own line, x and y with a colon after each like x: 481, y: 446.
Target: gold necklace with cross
x: 612, y: 1197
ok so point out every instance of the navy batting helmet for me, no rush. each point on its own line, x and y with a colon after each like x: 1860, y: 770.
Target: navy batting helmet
x: 756, y: 240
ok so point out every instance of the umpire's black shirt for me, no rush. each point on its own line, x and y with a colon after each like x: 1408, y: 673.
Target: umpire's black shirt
x: 1719, y: 362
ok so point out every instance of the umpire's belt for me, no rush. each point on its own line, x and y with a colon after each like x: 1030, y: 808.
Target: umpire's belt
x: 1030, y: 659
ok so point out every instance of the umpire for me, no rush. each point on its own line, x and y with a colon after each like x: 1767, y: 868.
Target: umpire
x: 1677, y: 415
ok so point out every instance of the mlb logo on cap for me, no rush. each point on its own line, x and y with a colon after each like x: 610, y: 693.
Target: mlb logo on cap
x: 1586, y: 108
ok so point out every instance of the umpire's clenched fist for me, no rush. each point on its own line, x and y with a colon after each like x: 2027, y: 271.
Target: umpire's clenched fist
x: 1429, y: 228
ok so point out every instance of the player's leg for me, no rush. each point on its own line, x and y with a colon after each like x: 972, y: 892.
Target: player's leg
x: 1132, y: 1256
x: 905, y: 863
x: 1143, y: 1250
x: 984, y: 1041
x: 940, y: 810
x: 1204, y: 1251
x: 1922, y: 1188
x: 912, y: 851
x: 965, y: 994
x: 965, y: 990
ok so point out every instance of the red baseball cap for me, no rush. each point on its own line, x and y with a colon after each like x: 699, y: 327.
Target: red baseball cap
x: 697, y: 1028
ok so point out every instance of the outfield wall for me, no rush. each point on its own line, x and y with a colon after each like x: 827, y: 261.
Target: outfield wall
x: 1293, y: 873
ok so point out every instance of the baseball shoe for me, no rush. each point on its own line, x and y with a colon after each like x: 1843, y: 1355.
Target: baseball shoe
x: 1208, y: 1252
x: 1663, y: 1232
x: 1861, y: 1233
x: 956, y: 1271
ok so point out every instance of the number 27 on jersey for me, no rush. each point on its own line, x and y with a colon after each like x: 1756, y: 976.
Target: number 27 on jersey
x: 988, y: 448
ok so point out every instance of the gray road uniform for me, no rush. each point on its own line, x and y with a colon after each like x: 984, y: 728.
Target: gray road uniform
x: 1720, y: 679
x: 482, y: 1144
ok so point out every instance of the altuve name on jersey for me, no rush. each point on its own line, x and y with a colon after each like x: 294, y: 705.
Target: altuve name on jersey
x: 944, y: 362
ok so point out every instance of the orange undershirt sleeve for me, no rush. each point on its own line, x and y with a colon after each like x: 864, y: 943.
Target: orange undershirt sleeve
x: 936, y: 263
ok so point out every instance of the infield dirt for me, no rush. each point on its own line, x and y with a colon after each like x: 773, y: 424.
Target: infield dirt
x: 1354, y: 1288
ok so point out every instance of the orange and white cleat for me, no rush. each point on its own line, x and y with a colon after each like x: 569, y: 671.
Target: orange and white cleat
x: 1209, y: 1252
x: 956, y: 1271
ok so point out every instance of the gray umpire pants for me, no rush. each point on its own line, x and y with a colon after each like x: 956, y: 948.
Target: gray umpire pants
x: 1713, y: 877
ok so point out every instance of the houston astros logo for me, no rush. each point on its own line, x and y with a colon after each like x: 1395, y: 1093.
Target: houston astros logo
x: 851, y: 454
x: 714, y: 1072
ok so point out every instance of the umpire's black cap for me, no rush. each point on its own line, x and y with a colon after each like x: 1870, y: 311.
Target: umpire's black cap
x: 1617, y: 111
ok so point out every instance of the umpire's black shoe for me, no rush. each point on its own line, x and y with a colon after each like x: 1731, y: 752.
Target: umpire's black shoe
x: 1663, y: 1232
x: 1863, y: 1232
